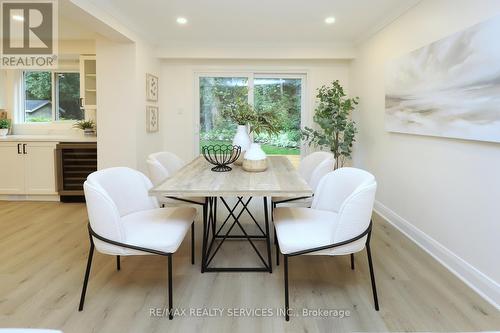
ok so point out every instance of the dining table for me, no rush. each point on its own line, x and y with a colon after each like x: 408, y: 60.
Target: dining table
x: 196, y: 179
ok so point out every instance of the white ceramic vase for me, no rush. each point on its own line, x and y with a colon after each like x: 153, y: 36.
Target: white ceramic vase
x: 255, y: 159
x: 4, y: 131
x: 242, y: 139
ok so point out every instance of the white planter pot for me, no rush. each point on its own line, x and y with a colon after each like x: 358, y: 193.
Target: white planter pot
x: 255, y: 159
x: 4, y: 131
x: 242, y: 139
x: 89, y: 132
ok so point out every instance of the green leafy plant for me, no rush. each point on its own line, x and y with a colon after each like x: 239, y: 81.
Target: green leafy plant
x: 336, y: 129
x: 243, y: 113
x: 84, y: 124
x: 4, y: 124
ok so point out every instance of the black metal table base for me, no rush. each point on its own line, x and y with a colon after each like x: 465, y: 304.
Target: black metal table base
x: 214, y: 237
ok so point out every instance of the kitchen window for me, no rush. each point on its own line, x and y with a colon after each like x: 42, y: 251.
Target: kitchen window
x: 51, y: 96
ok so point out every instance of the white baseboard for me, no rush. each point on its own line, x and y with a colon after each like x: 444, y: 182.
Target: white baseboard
x: 26, y: 197
x: 479, y: 282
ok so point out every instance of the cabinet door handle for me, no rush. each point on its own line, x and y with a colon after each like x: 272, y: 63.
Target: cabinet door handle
x: 18, y: 148
x: 81, y: 102
x: 24, y: 149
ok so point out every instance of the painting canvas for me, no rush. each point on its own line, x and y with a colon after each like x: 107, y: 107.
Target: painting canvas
x: 152, y: 119
x: 450, y: 88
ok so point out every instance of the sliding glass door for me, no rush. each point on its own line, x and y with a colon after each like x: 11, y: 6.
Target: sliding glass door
x: 282, y: 94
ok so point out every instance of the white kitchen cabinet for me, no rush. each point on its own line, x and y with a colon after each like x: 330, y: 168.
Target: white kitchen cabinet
x: 28, y: 168
x: 12, y: 173
x: 40, y: 168
x: 88, y: 82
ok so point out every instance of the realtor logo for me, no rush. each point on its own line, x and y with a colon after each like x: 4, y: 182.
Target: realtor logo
x: 29, y: 34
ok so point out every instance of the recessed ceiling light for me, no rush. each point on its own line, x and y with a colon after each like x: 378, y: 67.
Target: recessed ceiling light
x: 17, y: 18
x: 330, y: 20
x: 182, y: 20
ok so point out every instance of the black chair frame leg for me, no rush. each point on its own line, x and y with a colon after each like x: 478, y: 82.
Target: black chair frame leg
x: 285, y: 270
x: 367, y: 232
x: 92, y: 234
x: 87, y: 274
x: 372, y: 274
x: 170, y: 295
x: 192, y: 243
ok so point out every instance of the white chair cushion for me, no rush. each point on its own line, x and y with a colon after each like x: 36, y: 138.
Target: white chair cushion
x: 174, y: 202
x: 300, y: 229
x: 158, y: 229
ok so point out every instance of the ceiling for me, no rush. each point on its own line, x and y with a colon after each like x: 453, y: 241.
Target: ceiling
x: 254, y: 21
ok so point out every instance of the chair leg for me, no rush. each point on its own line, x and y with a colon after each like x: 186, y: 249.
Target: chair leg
x: 277, y: 246
x: 273, y: 206
x: 118, y: 267
x: 372, y: 276
x: 204, y: 246
x: 192, y: 243
x: 87, y: 273
x: 170, y: 311
x: 352, y: 261
x: 285, y: 263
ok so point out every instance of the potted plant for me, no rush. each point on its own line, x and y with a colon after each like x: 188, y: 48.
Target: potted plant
x: 336, y: 129
x: 88, y: 126
x: 250, y: 121
x: 4, y: 127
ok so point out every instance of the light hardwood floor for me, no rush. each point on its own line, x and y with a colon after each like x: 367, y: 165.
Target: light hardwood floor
x: 43, y: 250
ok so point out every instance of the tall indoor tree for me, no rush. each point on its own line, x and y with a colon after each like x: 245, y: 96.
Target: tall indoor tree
x: 336, y: 130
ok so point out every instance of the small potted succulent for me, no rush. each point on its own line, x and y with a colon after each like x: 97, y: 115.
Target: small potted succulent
x: 4, y: 127
x: 88, y: 127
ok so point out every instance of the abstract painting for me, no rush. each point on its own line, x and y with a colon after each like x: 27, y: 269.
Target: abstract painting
x: 450, y: 88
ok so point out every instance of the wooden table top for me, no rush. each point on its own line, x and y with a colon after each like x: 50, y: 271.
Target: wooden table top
x: 196, y: 179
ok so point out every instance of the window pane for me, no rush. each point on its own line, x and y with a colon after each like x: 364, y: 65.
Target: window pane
x: 37, y: 96
x: 214, y: 92
x: 68, y: 97
x: 282, y: 96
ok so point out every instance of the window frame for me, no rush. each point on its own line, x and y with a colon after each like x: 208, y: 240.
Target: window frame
x: 251, y: 76
x: 54, y: 97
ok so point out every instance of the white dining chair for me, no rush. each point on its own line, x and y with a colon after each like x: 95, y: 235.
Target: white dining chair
x: 124, y: 220
x: 338, y: 222
x: 312, y: 168
x: 162, y: 165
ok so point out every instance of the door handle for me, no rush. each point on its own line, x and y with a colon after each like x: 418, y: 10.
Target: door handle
x: 18, y: 148
x: 81, y: 102
x: 24, y: 149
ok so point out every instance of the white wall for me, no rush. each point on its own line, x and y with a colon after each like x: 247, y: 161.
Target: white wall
x: 443, y: 192
x: 121, y: 104
x: 177, y: 82
x: 147, y: 143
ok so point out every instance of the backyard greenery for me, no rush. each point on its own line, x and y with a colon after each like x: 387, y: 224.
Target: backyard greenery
x: 38, y: 87
x: 274, y: 117
x: 337, y: 130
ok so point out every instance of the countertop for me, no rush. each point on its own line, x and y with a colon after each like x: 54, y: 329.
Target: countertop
x: 48, y: 138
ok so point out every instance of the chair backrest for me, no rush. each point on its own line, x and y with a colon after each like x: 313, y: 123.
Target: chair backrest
x: 311, y: 162
x: 162, y: 165
x: 350, y: 193
x: 320, y: 171
x: 115, y: 192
